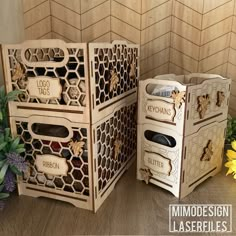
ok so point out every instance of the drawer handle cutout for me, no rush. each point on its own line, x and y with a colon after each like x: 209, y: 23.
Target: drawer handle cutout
x: 58, y: 131
x: 160, y: 138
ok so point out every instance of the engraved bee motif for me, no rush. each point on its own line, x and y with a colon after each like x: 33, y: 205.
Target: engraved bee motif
x: 77, y: 147
x: 117, y: 148
x: 203, y: 102
x: 220, y: 98
x: 146, y: 174
x: 18, y: 72
x: 208, y: 152
x: 178, y: 97
x: 114, y: 80
x: 132, y: 72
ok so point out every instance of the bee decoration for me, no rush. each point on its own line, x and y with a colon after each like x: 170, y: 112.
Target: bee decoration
x: 117, y: 148
x: 208, y: 152
x: 178, y: 97
x: 77, y: 147
x: 114, y: 80
x: 220, y: 98
x: 132, y: 70
x: 203, y: 102
x: 146, y: 174
x: 18, y: 72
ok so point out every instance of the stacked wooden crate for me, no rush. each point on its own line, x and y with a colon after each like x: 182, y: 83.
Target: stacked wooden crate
x: 181, y: 128
x: 76, y: 116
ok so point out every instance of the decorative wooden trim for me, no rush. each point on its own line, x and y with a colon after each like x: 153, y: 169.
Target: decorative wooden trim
x: 114, y: 80
x: 146, y: 174
x: 178, y: 97
x: 220, y: 98
x: 203, y: 102
x: 157, y: 163
x: 208, y: 152
x: 18, y: 72
x: 161, y: 110
x: 77, y: 147
x: 117, y: 148
x: 52, y: 165
x: 44, y: 87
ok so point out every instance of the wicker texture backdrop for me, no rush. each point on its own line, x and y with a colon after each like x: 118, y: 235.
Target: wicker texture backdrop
x: 176, y: 36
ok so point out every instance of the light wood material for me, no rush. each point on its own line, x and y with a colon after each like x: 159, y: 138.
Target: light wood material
x: 76, y: 116
x: 181, y: 130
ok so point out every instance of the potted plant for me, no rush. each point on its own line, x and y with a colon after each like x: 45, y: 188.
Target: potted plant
x: 11, y: 162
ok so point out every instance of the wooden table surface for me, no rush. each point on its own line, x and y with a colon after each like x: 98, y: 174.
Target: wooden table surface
x: 132, y: 208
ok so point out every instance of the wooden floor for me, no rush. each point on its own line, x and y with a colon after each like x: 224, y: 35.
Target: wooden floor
x: 132, y: 208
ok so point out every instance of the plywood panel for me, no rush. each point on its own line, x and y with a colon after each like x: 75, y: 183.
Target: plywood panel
x: 66, y: 30
x: 135, y: 5
x: 39, y: 29
x: 87, y: 5
x: 187, y: 14
x: 125, y: 14
x: 209, y: 5
x: 186, y: 31
x: 184, y: 46
x: 66, y: 15
x: 194, y: 5
x: 95, y: 15
x: 29, y: 4
x: 150, y: 4
x: 73, y: 5
x: 183, y: 61
x: 37, y: 14
x: 156, y: 14
x: 155, y: 46
x: 96, y: 30
x: 128, y: 32
x: 217, y: 15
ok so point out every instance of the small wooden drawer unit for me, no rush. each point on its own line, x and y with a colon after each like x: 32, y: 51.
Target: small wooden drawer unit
x: 181, y: 130
x: 75, y: 115
x: 183, y: 103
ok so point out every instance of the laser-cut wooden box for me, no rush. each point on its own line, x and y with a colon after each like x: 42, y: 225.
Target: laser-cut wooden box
x: 181, y: 130
x: 79, y: 78
x: 76, y: 116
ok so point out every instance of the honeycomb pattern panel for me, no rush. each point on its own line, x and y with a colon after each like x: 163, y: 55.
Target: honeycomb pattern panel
x: 71, y: 76
x: 194, y: 167
x: 116, y: 143
x: 77, y: 179
x: 116, y: 71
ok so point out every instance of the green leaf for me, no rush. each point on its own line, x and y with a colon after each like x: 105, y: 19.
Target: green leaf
x: 7, y: 133
x: 1, y: 187
x: 3, y: 145
x: 4, y: 195
x: 2, y: 162
x: 15, y: 170
x: 14, y: 144
x: 1, y: 117
x: 22, y: 145
x: 19, y: 150
x: 3, y: 172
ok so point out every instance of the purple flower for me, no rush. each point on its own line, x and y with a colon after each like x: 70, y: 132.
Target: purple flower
x: 2, y: 204
x: 16, y: 160
x: 9, y: 181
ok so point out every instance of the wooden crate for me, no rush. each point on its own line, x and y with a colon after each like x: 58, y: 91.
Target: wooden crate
x: 181, y: 129
x: 185, y: 162
x: 76, y: 162
x: 197, y: 100
x: 77, y: 78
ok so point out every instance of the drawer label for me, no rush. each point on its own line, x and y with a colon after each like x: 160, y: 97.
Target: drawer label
x: 157, y: 163
x: 160, y: 110
x: 52, y: 165
x: 44, y: 87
